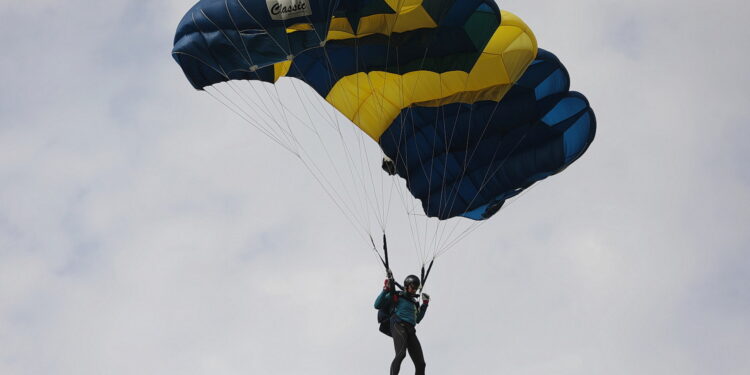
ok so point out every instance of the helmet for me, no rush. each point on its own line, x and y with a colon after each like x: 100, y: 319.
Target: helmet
x: 411, y: 280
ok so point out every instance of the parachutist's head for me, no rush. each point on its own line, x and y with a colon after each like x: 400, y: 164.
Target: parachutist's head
x: 411, y: 283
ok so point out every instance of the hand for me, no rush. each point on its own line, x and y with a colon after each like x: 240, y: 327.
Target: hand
x: 387, y: 284
x: 425, y: 298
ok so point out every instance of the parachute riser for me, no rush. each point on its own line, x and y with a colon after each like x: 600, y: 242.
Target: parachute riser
x: 386, y: 263
x: 389, y: 274
x: 425, y: 275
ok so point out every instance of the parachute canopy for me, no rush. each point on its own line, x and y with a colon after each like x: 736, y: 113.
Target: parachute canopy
x: 455, y: 92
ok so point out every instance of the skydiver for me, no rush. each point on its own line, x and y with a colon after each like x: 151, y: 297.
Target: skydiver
x: 407, y: 313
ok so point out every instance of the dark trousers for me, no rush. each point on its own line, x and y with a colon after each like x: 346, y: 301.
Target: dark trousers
x: 405, y: 338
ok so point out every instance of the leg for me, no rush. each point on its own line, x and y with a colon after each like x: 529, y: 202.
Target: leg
x: 399, y: 343
x: 415, y: 352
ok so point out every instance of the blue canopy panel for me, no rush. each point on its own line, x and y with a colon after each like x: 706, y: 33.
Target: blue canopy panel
x: 467, y: 159
x: 462, y: 30
x: 221, y: 40
x: 447, y: 13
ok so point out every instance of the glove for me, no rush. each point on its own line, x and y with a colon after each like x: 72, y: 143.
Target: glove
x: 387, y: 284
x: 425, y: 298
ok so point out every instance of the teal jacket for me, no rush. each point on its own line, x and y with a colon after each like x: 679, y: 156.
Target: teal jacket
x: 406, y: 307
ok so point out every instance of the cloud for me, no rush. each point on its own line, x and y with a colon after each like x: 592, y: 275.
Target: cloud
x: 144, y: 228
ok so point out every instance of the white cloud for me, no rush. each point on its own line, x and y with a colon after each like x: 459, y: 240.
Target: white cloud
x: 144, y: 229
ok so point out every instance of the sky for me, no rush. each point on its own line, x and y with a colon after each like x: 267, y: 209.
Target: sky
x: 144, y: 228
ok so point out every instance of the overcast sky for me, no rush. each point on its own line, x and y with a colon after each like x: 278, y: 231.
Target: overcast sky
x: 145, y: 229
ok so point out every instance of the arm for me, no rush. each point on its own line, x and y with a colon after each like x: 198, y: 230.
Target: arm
x: 423, y: 309
x: 384, y: 298
x: 421, y: 312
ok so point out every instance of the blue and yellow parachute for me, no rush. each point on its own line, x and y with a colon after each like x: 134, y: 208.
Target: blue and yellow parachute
x: 464, y: 105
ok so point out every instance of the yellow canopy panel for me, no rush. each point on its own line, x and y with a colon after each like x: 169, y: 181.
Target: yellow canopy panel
x: 372, y: 100
x: 408, y: 15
